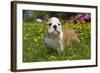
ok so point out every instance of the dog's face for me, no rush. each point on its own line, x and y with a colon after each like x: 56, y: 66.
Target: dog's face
x: 54, y: 25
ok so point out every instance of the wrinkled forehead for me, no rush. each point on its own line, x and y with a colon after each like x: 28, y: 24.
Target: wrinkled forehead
x: 54, y: 20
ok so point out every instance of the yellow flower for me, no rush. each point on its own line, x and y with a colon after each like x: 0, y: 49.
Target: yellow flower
x: 53, y: 57
x: 35, y: 40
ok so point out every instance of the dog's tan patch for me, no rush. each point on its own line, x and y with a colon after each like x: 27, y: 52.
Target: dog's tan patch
x: 70, y: 36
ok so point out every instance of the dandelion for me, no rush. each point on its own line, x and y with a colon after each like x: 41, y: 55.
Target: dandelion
x: 52, y: 57
x: 35, y: 39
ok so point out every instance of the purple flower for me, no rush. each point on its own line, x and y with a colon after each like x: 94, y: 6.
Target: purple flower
x: 84, y: 17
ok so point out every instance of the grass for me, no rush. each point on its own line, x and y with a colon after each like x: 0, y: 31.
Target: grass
x: 35, y: 51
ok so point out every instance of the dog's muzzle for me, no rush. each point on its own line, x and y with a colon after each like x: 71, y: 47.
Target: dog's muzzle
x: 55, y: 27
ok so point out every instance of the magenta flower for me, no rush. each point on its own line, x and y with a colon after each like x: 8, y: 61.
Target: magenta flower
x: 84, y: 17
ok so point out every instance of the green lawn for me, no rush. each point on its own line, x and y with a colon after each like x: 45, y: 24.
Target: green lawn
x: 35, y: 51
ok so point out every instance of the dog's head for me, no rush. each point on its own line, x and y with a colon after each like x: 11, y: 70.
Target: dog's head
x: 54, y: 25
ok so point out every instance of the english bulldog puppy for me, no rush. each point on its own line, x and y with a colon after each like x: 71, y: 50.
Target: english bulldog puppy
x: 57, y: 38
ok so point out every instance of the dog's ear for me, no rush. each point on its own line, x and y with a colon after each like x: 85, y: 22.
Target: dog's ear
x: 46, y: 18
x: 46, y: 21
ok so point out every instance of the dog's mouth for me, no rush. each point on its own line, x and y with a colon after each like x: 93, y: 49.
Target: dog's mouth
x: 56, y: 32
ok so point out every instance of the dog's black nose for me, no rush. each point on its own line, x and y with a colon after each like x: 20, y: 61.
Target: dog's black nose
x: 55, y: 27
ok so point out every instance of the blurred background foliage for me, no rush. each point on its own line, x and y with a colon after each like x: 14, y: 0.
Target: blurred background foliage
x: 34, y: 28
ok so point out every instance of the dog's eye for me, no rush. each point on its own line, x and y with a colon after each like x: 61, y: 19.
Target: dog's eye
x: 50, y: 24
x: 58, y: 24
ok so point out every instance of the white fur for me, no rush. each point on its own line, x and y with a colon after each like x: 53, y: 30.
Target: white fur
x: 61, y: 41
x: 51, y: 40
